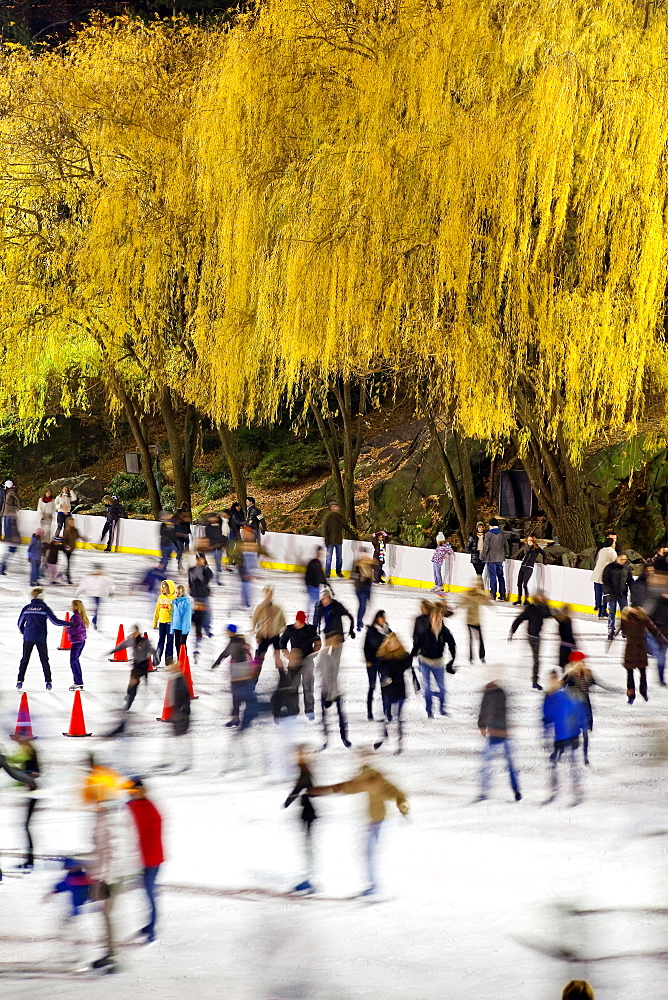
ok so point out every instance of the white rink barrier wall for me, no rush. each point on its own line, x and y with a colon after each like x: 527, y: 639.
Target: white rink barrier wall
x: 405, y: 566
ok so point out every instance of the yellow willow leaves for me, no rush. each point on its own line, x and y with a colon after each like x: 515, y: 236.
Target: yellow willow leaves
x: 464, y: 190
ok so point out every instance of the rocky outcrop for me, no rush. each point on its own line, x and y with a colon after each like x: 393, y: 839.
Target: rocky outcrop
x: 88, y: 489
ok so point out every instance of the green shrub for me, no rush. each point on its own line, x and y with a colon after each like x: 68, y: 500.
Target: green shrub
x: 289, y: 463
x: 127, y: 487
x: 138, y: 507
x: 168, y: 498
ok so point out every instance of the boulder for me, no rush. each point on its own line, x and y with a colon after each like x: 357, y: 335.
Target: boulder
x: 557, y: 555
x: 585, y: 559
x: 89, y: 489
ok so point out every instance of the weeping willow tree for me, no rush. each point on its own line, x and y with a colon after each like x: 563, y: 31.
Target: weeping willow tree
x: 469, y: 195
x: 472, y: 191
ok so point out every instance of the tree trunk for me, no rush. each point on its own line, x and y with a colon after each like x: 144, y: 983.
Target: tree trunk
x: 142, y: 445
x: 352, y: 444
x: 558, y: 486
x: 328, y: 435
x: 451, y: 484
x: 231, y: 453
x: 176, y: 449
x: 466, y: 476
x: 192, y: 425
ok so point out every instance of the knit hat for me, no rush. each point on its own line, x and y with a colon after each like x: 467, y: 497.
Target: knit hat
x: 493, y: 523
x: 301, y: 617
x: 576, y: 656
x: 9, y: 484
x: 440, y: 537
x: 232, y: 629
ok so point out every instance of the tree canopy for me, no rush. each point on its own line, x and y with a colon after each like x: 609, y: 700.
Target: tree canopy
x: 467, y: 194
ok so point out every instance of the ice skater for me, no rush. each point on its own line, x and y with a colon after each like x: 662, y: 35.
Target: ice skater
x: 76, y: 631
x: 430, y: 637
x: 308, y: 817
x: 242, y: 678
x: 142, y: 651
x: 564, y: 716
x: 379, y: 791
x: 535, y: 614
x: 376, y: 634
x: 473, y: 600
x: 635, y: 627
x: 328, y: 618
x: 268, y: 622
x: 299, y: 644
x: 162, y: 620
x: 148, y: 824
x: 493, y: 725
x: 567, y: 640
x: 98, y: 587
x: 394, y: 661
x: 32, y: 625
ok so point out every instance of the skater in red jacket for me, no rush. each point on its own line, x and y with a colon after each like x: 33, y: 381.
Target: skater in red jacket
x: 148, y: 822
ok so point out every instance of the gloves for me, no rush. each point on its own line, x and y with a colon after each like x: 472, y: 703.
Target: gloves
x: 404, y: 808
x: 450, y: 668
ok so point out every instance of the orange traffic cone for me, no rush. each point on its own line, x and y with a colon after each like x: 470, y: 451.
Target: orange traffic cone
x: 65, y: 639
x: 122, y: 655
x: 184, y: 665
x: 151, y: 668
x: 77, y: 724
x: 23, y: 723
x: 166, y: 708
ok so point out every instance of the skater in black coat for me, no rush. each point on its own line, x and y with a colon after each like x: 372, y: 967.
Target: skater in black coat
x: 395, y: 661
x: 567, y: 642
x: 376, y: 633
x: 308, y: 816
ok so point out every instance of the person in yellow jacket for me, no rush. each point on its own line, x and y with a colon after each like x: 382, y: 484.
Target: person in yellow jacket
x: 379, y: 790
x: 162, y: 620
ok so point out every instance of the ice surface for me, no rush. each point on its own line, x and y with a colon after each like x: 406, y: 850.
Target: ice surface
x: 476, y: 900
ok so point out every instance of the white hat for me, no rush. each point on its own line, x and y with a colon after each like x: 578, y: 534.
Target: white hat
x: 9, y: 483
x: 440, y: 537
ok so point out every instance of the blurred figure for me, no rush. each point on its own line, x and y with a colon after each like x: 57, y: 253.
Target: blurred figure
x: 178, y: 699
x: 246, y: 555
x: 579, y: 679
x: 363, y: 574
x: 473, y: 599
x: 376, y: 634
x: 16, y: 774
x: 114, y: 512
x: 181, y: 618
x: 314, y: 579
x: 25, y: 760
x: 140, y: 646
x: 148, y: 824
x: 308, y: 817
x: 53, y: 550
x: 268, y: 622
x: 577, y: 989
x: 328, y: 618
x: 236, y: 519
x: 563, y: 716
x: 162, y: 620
x: 378, y: 790
x: 71, y: 535
x: 493, y: 725
x: 535, y: 614
x: 635, y: 627
x: 98, y: 587
x: 77, y: 883
x: 300, y: 643
x: 167, y: 538
x: 199, y: 580
x: 217, y: 540
x: 35, y: 556
x: 32, y: 625
x: 567, y: 641
x: 108, y: 865
x: 182, y: 531
x: 242, y: 678
x: 430, y: 637
x: 394, y: 661
x: 10, y: 515
x: 76, y: 631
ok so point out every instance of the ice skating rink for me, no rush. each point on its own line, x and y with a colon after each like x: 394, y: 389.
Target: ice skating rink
x: 476, y: 900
